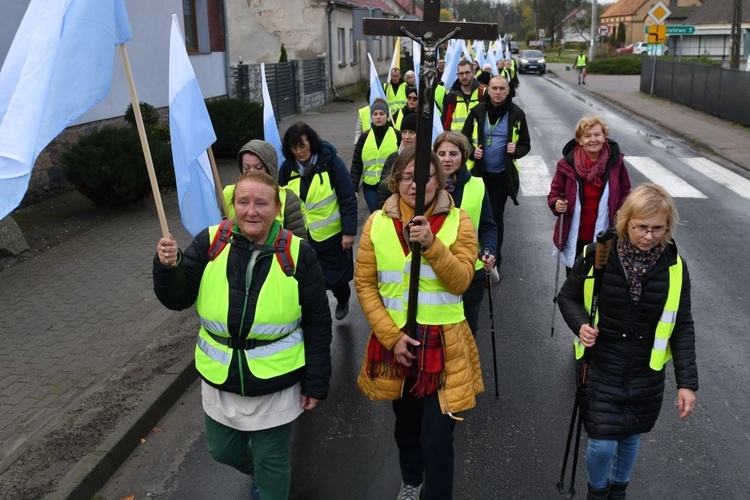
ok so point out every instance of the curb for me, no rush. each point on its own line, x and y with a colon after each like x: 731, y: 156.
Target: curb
x: 93, y: 471
x: 692, y: 140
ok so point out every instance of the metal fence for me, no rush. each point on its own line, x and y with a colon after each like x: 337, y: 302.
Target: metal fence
x: 715, y: 90
x: 293, y: 86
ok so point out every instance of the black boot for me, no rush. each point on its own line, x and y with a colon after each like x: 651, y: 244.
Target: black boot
x: 617, y: 491
x: 597, y: 494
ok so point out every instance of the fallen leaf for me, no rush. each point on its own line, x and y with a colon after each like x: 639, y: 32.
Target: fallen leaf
x: 158, y: 429
x: 129, y: 497
x: 143, y: 440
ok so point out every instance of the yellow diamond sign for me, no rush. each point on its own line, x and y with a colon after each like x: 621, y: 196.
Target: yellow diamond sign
x: 659, y: 13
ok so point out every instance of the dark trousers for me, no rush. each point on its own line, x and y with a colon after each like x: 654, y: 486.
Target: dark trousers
x: 342, y: 293
x: 497, y: 189
x: 472, y: 299
x: 424, y: 437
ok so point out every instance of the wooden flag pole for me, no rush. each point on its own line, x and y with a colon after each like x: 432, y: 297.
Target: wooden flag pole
x: 217, y: 183
x: 144, y: 140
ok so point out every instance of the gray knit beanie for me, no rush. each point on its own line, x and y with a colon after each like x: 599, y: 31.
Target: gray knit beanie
x: 265, y: 152
x: 379, y: 105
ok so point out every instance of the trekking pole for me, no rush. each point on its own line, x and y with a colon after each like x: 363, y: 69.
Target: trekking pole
x: 488, y: 284
x: 603, y: 246
x: 557, y: 272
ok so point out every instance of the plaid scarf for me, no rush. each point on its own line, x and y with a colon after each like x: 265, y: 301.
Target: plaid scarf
x: 637, y: 263
x: 426, y: 371
x: 588, y: 170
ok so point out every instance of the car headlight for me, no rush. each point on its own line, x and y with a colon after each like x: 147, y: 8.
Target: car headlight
x: 524, y: 61
x: 541, y: 61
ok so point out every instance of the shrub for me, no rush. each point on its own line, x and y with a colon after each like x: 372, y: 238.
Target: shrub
x: 148, y: 113
x: 107, y: 166
x: 283, y: 57
x: 235, y: 122
x: 623, y: 65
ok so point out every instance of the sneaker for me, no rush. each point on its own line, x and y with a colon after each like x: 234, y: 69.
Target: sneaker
x: 409, y: 492
x: 342, y: 309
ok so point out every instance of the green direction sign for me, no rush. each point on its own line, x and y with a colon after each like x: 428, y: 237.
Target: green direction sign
x: 676, y: 29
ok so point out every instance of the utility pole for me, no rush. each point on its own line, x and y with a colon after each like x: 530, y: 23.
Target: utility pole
x: 593, y: 30
x: 734, y: 48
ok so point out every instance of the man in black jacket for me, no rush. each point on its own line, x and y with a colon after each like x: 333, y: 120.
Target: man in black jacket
x: 499, y: 136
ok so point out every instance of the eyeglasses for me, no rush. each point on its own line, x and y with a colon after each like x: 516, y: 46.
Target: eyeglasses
x: 657, y: 231
x: 464, y: 73
x: 412, y: 98
x: 300, y: 147
x: 406, y: 181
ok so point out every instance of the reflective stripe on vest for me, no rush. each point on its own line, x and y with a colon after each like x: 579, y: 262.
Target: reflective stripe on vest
x: 321, y: 208
x: 373, y: 157
x: 580, y: 61
x: 229, y: 193
x: 398, y: 100
x: 212, y: 358
x: 471, y: 202
x: 461, y: 110
x: 364, y: 117
x: 435, y: 304
x: 660, y: 352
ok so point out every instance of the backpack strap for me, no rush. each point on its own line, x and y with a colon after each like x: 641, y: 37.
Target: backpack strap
x: 221, y: 238
x: 283, y: 250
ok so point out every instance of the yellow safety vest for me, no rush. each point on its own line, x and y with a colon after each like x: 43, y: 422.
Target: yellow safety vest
x: 272, y: 359
x: 461, y: 110
x: 660, y: 352
x: 515, y: 135
x: 471, y: 202
x: 436, y: 305
x: 512, y: 68
x: 373, y: 157
x: 395, y: 100
x: 229, y: 192
x: 580, y: 61
x: 365, y: 118
x: 440, y: 97
x: 321, y: 208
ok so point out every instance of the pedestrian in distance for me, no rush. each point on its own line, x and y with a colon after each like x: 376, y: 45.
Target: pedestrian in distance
x: 499, y: 136
x: 484, y: 76
x: 261, y: 365
x: 313, y: 170
x: 589, y: 186
x: 412, y: 106
x: 410, y: 78
x: 260, y: 156
x: 463, y: 96
x: 371, y: 151
x: 408, y: 139
x: 395, y: 91
x: 432, y: 377
x: 580, y: 67
x: 643, y: 319
x: 469, y: 194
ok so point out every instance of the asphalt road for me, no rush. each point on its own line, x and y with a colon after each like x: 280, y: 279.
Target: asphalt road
x: 511, y: 447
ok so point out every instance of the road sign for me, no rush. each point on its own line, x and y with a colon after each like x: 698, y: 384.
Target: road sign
x: 657, y: 33
x: 659, y: 13
x: 676, y: 29
x: 603, y: 30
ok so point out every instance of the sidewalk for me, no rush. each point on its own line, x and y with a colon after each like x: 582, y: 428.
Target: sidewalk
x: 722, y: 138
x: 90, y: 360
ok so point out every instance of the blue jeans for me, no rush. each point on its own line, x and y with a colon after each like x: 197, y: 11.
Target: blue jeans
x: 371, y: 198
x: 613, y: 459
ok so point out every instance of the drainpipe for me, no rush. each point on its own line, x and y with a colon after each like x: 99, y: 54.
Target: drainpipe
x: 329, y: 9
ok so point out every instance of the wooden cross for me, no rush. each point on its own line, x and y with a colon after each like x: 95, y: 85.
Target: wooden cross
x: 430, y: 33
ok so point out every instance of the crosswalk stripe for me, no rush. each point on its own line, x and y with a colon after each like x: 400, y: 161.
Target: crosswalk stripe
x: 721, y: 175
x: 533, y: 176
x: 675, y: 186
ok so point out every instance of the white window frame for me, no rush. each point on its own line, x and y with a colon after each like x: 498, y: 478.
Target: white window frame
x: 341, y: 37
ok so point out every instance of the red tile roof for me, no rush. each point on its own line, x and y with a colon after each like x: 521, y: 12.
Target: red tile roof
x: 624, y: 8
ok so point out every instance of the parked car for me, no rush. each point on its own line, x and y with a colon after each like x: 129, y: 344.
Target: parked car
x: 628, y: 49
x: 532, y: 61
x: 640, y: 47
x: 513, y: 47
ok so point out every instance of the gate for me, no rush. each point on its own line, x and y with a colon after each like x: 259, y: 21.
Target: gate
x: 282, y: 86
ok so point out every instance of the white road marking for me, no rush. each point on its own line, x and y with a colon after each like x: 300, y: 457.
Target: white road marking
x: 721, y: 175
x: 534, y: 176
x: 675, y: 186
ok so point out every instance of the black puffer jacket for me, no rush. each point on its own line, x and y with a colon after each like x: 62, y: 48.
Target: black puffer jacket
x: 177, y: 288
x: 624, y: 395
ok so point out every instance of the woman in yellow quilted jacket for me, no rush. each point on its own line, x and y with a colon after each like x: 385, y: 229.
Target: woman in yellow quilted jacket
x: 433, y: 376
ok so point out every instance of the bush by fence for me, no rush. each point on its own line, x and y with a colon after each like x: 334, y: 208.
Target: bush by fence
x: 235, y: 122
x: 621, y: 65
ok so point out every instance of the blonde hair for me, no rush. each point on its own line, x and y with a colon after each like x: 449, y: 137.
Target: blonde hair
x: 261, y: 177
x: 588, y: 121
x: 404, y: 158
x: 458, y: 140
x: 645, y: 201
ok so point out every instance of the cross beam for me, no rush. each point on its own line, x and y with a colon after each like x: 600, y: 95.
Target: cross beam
x: 429, y: 33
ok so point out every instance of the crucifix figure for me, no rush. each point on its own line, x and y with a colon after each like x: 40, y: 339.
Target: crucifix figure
x: 430, y: 33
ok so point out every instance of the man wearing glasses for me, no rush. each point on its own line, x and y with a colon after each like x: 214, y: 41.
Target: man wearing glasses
x: 464, y: 95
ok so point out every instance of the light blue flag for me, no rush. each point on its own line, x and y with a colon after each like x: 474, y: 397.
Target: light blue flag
x: 270, y: 129
x: 192, y: 133
x: 437, y: 125
x: 59, y: 65
x: 376, y: 88
x: 416, y: 49
x: 452, y: 58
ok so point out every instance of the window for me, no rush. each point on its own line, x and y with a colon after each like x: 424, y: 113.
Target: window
x: 191, y: 31
x: 378, y: 48
x: 352, y: 48
x: 342, y: 46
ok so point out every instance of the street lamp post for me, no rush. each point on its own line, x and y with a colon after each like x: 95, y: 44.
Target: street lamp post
x: 593, y: 30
